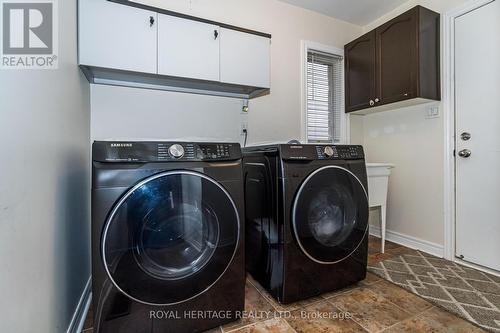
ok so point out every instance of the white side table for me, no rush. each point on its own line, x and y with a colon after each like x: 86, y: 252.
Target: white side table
x: 378, y: 182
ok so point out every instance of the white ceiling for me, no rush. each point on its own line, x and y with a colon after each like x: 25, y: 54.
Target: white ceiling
x: 359, y: 12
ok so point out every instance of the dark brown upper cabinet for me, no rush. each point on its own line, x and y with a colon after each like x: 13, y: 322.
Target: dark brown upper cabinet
x: 360, y: 70
x: 396, y: 62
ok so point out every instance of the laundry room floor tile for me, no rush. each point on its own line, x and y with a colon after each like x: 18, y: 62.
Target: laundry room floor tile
x: 374, y: 245
x: 404, y: 299
x: 378, y: 257
x: 322, y: 317
x: 257, y: 308
x: 370, y: 279
x: 275, y: 325
x: 391, y: 250
x: 374, y: 304
x: 369, y: 309
x: 294, y: 306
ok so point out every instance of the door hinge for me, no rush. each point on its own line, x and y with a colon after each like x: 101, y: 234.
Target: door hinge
x: 454, y: 153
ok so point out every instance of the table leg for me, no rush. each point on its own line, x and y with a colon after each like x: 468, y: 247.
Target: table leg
x: 382, y: 226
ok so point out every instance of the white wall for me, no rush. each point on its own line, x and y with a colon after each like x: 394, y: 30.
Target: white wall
x: 275, y: 117
x: 416, y: 145
x: 135, y: 114
x: 357, y: 133
x: 44, y: 190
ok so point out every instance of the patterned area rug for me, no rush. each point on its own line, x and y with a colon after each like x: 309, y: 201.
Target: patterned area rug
x: 466, y: 292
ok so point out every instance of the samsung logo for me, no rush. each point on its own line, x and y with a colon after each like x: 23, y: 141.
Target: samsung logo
x: 296, y: 147
x: 121, y: 145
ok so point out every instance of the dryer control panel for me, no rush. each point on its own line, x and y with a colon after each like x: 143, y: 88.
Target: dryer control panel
x: 137, y: 152
x: 339, y: 152
x: 321, y: 152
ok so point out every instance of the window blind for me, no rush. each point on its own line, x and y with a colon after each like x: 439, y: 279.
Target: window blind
x: 324, y: 97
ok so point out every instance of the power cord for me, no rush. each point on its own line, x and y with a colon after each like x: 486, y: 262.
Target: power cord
x: 245, y: 132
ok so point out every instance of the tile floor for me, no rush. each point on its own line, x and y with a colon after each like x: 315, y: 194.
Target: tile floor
x: 372, y: 305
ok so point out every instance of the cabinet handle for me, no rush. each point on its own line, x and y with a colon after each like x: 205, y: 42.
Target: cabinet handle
x: 216, y: 34
x: 151, y: 21
x: 372, y: 103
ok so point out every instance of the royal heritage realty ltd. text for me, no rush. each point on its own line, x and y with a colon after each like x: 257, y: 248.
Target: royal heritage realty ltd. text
x: 256, y: 315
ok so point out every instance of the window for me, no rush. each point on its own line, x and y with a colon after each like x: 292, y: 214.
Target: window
x: 324, y: 105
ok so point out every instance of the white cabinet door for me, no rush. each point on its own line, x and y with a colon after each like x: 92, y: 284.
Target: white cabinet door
x: 188, y: 48
x: 117, y: 36
x: 245, y: 58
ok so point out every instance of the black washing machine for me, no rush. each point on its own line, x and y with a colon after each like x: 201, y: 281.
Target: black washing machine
x: 167, y: 236
x: 306, y: 218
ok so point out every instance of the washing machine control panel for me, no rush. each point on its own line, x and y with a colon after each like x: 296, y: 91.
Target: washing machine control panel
x: 164, y: 151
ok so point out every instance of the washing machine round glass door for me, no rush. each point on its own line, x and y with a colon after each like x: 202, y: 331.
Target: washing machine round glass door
x: 170, y: 237
x: 330, y: 214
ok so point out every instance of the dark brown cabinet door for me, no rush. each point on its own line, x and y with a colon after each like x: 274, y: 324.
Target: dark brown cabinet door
x: 397, y: 59
x: 360, y: 72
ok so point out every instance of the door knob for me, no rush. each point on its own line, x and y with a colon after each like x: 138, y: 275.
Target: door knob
x: 465, y: 136
x: 464, y: 153
x: 372, y: 103
x: 377, y: 100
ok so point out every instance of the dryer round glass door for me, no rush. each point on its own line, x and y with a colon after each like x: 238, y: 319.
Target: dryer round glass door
x: 330, y: 214
x: 170, y: 237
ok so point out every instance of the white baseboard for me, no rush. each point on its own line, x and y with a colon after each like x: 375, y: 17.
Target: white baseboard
x: 82, y: 308
x: 409, y: 241
x: 475, y: 266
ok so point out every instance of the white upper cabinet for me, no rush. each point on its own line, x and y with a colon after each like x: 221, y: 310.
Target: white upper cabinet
x: 244, y: 58
x: 188, y: 48
x: 126, y: 43
x: 115, y: 36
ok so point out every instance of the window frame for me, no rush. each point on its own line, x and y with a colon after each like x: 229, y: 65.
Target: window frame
x: 307, y: 46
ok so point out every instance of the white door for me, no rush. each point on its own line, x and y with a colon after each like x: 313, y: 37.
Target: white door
x: 188, y: 48
x: 477, y: 88
x: 117, y: 36
x: 245, y: 59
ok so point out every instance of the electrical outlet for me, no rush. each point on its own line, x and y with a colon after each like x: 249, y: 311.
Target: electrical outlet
x: 432, y: 112
x: 244, y: 128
